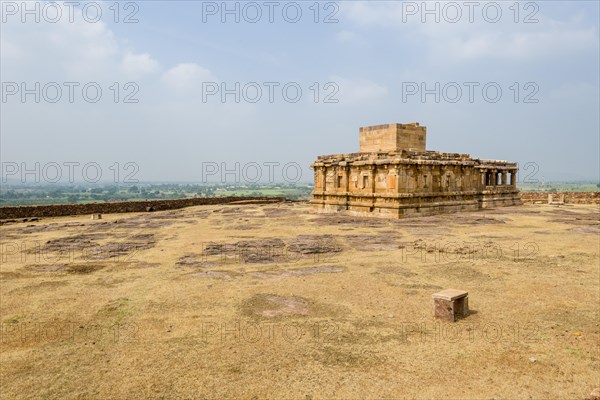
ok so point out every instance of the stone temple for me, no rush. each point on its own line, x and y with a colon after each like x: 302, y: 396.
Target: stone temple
x: 393, y: 175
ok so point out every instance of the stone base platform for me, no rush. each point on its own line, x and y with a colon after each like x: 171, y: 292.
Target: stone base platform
x: 407, y: 205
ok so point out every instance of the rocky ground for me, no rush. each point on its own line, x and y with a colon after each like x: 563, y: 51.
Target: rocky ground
x: 275, y: 301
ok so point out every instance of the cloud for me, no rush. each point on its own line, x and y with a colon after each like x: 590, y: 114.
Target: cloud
x: 139, y: 64
x: 555, y: 39
x: 69, y: 49
x: 186, y: 77
x: 83, y: 51
x: 467, y: 40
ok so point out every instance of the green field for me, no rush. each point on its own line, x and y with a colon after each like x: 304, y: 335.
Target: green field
x: 559, y: 187
x: 76, y: 194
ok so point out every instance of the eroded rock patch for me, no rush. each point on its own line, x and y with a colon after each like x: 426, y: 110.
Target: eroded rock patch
x: 270, y: 306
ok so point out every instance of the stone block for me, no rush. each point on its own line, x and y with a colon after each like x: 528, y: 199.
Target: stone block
x: 392, y: 137
x: 451, y: 304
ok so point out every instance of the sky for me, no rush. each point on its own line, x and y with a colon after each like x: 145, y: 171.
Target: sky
x: 193, y: 91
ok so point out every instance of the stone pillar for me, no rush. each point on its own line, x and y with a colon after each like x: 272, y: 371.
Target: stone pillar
x: 372, y: 177
x: 317, y: 179
x: 465, y: 183
x: 346, y: 180
x: 402, y: 179
x: 504, y: 173
x: 429, y: 180
x: 436, y: 178
x: 412, y: 178
x: 363, y: 183
x: 421, y: 180
x: 352, y: 175
x: 336, y: 186
x: 393, y: 179
x: 513, y: 178
x: 323, y: 178
x: 459, y: 179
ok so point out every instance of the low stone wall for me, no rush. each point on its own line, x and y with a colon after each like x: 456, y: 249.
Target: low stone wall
x: 570, y: 197
x: 57, y: 210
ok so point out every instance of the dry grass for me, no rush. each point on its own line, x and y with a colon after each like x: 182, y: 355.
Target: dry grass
x: 273, y: 301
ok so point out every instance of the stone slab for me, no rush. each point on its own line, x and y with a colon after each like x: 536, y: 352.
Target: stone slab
x: 450, y: 294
